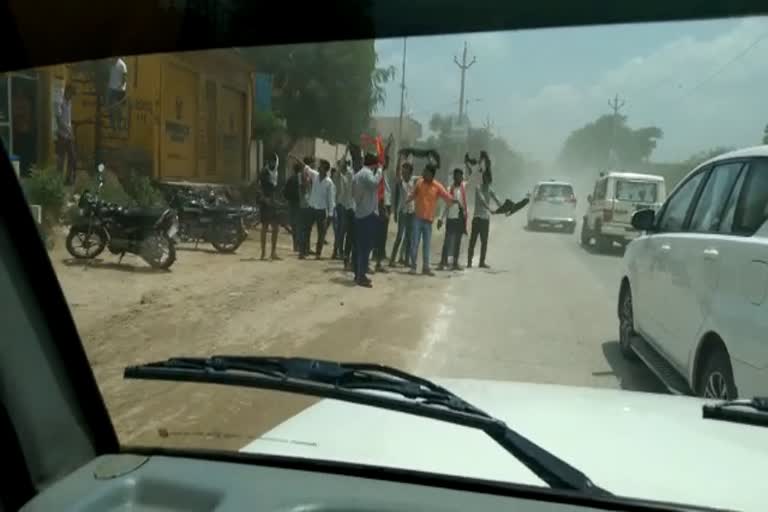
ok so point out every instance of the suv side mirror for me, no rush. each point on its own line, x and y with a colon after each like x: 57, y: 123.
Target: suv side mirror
x: 643, y: 220
x: 589, y: 198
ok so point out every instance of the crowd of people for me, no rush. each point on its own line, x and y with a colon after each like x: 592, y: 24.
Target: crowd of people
x: 357, y: 202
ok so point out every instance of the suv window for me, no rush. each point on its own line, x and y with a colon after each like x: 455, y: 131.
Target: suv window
x: 676, y: 209
x: 553, y: 191
x: 600, y: 188
x: 636, y: 191
x: 752, y: 207
x: 710, y: 206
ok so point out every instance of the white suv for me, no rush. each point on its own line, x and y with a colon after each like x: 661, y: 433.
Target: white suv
x: 616, y: 197
x: 553, y: 204
x: 693, y: 300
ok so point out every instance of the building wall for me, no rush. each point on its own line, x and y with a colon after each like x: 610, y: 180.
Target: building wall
x: 186, y: 117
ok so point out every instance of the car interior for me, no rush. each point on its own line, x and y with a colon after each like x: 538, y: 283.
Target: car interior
x: 59, y: 447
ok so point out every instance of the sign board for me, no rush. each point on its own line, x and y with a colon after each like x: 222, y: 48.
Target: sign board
x: 262, y: 98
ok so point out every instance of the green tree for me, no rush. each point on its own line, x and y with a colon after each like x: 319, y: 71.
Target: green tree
x: 326, y: 90
x: 507, y: 163
x: 765, y: 135
x: 589, y: 147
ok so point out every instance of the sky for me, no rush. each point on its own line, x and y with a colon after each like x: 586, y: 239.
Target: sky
x: 704, y: 83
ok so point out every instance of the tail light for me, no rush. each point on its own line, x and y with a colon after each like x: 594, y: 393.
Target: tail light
x: 607, y: 215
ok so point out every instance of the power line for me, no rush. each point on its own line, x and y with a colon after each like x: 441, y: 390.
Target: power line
x: 729, y: 62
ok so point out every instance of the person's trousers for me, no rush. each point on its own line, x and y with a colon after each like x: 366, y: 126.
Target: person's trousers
x: 422, y: 231
x: 349, y: 236
x: 319, y: 219
x: 404, y: 235
x: 114, y: 99
x: 65, y: 149
x: 479, y: 228
x: 454, y: 229
x: 339, y: 230
x: 306, y: 218
x: 365, y: 230
x: 294, y: 217
x: 382, y: 230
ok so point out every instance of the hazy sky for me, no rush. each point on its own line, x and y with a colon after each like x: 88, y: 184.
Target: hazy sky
x: 704, y: 84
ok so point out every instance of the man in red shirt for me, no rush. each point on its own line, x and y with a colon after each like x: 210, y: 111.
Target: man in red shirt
x: 424, y: 195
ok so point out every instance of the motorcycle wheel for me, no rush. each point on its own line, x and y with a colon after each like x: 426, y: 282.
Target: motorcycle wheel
x: 85, y: 244
x: 228, y: 239
x: 159, y: 251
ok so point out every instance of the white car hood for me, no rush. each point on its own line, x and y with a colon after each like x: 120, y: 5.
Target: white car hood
x: 633, y: 444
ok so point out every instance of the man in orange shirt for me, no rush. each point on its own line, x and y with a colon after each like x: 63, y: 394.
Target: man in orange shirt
x: 424, y: 195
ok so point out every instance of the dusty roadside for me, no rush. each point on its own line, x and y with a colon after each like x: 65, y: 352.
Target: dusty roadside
x: 212, y: 303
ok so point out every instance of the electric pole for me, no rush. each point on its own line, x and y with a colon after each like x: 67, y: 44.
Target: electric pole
x: 402, y: 111
x: 463, y: 66
x: 616, y: 104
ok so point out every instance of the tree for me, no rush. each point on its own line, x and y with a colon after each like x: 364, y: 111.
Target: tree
x: 589, y: 147
x: 507, y: 163
x: 765, y: 135
x: 326, y: 90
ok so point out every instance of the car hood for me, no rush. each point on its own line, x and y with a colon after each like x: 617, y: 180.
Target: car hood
x: 634, y: 444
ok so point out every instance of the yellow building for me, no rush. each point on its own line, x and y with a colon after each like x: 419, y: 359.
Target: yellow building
x: 186, y: 117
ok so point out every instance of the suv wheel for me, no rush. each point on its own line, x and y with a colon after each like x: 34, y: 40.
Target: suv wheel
x: 626, y: 324
x: 716, y: 376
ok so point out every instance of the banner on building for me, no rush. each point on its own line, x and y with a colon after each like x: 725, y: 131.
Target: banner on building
x: 262, y: 98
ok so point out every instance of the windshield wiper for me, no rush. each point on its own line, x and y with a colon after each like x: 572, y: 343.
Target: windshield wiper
x: 752, y: 411
x: 354, y: 382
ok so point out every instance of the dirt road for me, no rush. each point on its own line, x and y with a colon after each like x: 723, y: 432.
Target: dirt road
x: 212, y: 303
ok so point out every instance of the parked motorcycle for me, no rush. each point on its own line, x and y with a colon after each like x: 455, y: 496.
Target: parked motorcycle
x: 146, y: 232
x: 211, y: 222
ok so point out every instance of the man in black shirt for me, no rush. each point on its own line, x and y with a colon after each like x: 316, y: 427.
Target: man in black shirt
x: 268, y: 206
x: 292, y: 192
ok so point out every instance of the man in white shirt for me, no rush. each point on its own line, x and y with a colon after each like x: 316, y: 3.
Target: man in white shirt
x: 482, y: 218
x: 65, y: 136
x: 322, y: 201
x: 118, y: 81
x: 347, y: 203
x: 404, y: 210
x: 455, y: 217
x: 365, y: 187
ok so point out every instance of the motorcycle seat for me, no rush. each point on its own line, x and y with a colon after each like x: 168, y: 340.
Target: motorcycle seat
x: 138, y: 212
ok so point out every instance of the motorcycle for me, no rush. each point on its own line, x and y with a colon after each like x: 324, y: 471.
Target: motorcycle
x: 220, y: 225
x: 146, y: 232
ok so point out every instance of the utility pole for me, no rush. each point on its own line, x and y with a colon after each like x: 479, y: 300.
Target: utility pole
x: 463, y: 66
x: 616, y: 104
x: 402, y: 111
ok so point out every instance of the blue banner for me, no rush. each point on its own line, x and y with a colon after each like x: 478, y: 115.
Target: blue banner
x: 263, y: 94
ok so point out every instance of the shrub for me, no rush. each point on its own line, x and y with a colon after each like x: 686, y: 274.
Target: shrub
x: 46, y: 188
x: 143, y: 192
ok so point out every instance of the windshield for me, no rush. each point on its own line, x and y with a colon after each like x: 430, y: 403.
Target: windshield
x: 368, y: 201
x: 554, y: 191
x: 636, y: 191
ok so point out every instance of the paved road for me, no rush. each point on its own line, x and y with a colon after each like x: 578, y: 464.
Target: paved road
x: 545, y: 312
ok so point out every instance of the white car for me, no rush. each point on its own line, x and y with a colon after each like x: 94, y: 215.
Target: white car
x: 602, y: 431
x: 616, y: 197
x: 553, y: 204
x: 693, y: 300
